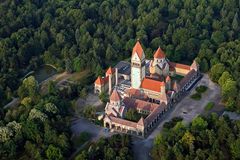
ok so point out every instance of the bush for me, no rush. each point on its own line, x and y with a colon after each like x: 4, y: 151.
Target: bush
x: 201, y: 89
x: 89, y: 112
x: 172, y: 122
x: 81, y: 139
x: 196, y: 96
x: 209, y: 106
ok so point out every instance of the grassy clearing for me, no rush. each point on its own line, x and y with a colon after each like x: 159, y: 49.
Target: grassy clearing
x: 196, y: 96
x: 209, y: 106
x: 77, y: 76
x: 81, y: 139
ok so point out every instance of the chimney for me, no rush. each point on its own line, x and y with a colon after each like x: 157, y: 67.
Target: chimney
x: 110, y: 83
x: 116, y: 74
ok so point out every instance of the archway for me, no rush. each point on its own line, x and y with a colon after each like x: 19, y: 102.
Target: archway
x: 107, y: 125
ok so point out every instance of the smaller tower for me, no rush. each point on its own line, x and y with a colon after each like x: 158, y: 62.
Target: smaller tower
x: 115, y: 98
x: 159, y: 57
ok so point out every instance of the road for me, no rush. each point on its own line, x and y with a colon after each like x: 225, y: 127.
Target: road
x: 14, y: 102
x: 187, y: 108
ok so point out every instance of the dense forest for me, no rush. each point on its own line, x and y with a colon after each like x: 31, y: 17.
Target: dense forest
x: 117, y: 147
x: 39, y: 127
x: 209, y: 137
x: 74, y: 35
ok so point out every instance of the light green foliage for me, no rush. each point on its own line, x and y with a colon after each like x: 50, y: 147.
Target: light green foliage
x: 199, y: 124
x: 36, y: 114
x: 223, y: 79
x: 53, y: 153
x: 29, y: 87
x: 5, y: 134
x: 26, y: 101
x: 216, y: 71
x: 14, y: 126
x: 209, y: 106
x: 51, y: 108
x: 199, y: 140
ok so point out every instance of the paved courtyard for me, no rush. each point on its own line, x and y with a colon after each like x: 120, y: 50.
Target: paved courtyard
x: 79, y: 125
x: 187, y: 108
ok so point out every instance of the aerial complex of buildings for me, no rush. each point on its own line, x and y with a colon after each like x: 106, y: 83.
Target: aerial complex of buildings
x: 149, y: 86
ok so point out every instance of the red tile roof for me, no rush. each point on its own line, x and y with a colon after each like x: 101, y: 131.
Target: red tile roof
x: 178, y: 65
x: 141, y: 121
x: 138, y: 49
x: 152, y: 85
x: 101, y: 81
x: 110, y: 70
x: 139, y: 104
x: 159, y: 53
x: 154, y: 114
x: 136, y: 93
x: 115, y: 96
x: 123, y: 122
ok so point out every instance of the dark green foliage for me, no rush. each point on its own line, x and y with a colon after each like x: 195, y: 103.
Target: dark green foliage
x: 80, y: 139
x: 196, y: 96
x: 89, y: 112
x: 115, y: 147
x: 103, y: 97
x: 201, y: 89
x: 132, y: 115
x: 205, y: 138
x: 78, y: 35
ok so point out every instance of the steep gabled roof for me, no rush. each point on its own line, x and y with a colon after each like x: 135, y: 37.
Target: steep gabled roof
x: 138, y: 49
x: 99, y: 81
x: 110, y: 71
x: 152, y: 85
x: 141, y: 121
x: 159, y: 53
x: 115, y: 96
x: 178, y: 65
x: 194, y: 65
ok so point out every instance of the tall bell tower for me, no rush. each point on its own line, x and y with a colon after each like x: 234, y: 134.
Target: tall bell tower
x: 137, y: 66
